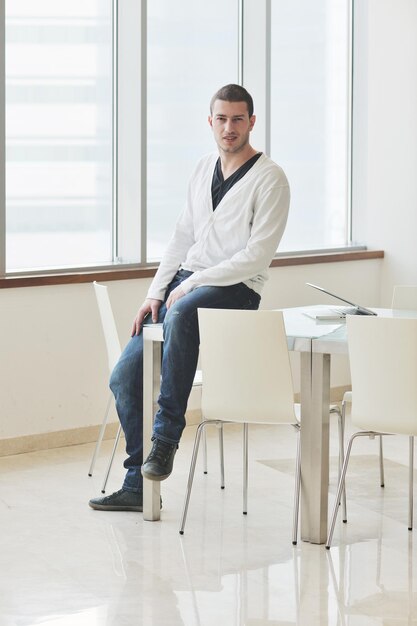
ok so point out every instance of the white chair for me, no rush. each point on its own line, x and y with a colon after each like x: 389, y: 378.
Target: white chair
x: 404, y: 297
x: 113, y: 347
x: 113, y: 353
x: 246, y: 379
x: 383, y: 364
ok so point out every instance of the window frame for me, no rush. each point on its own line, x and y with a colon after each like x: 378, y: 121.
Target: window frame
x: 130, y: 149
x: 2, y: 139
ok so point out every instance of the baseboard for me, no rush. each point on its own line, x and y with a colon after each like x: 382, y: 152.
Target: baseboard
x: 88, y: 434
x: 336, y: 394
x: 71, y: 437
x: 58, y: 439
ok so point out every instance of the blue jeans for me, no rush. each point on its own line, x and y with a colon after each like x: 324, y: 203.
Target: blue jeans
x: 179, y: 363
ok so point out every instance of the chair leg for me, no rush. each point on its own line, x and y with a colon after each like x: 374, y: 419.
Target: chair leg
x: 109, y: 466
x: 245, y: 469
x: 339, y: 493
x: 221, y: 448
x: 221, y: 452
x: 381, y: 462
x: 200, y: 428
x: 297, y: 489
x: 342, y: 417
x: 341, y: 484
x: 411, y: 483
x: 101, y: 435
x: 204, y: 451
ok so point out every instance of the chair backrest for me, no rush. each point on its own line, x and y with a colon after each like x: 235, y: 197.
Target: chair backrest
x: 405, y: 297
x: 108, y: 324
x: 383, y: 366
x: 246, y: 367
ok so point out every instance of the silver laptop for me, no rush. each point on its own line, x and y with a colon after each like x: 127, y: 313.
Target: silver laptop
x: 333, y: 312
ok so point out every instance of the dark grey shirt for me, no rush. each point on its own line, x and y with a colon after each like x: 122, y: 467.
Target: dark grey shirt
x: 219, y: 186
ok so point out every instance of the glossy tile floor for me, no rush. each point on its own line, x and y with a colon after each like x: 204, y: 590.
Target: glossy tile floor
x: 64, y: 564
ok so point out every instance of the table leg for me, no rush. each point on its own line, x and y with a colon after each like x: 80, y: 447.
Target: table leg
x: 151, y: 385
x: 315, y: 401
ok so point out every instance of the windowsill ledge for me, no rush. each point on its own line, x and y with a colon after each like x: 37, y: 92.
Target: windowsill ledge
x: 130, y: 272
x: 326, y: 257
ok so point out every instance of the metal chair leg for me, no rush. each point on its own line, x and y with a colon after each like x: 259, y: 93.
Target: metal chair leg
x: 297, y: 489
x: 410, y: 483
x: 219, y: 424
x: 100, y: 435
x: 116, y: 441
x: 381, y: 462
x: 204, y: 451
x: 245, y: 469
x: 341, y: 484
x: 342, y: 416
x: 200, y: 428
x: 341, y: 431
x: 221, y: 452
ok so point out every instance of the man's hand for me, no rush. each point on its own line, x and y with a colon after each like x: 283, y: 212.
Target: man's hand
x: 149, y: 307
x: 175, y: 295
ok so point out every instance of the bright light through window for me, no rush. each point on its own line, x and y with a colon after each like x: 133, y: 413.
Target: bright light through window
x: 104, y: 125
x: 310, y: 117
x: 192, y: 51
x: 58, y: 133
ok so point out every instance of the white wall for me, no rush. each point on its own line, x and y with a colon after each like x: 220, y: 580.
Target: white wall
x: 53, y: 369
x: 385, y: 136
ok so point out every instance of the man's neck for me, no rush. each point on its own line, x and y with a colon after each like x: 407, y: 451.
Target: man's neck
x: 231, y: 162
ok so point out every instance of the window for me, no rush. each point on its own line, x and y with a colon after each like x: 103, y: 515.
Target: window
x: 192, y: 51
x: 310, y: 117
x: 106, y: 115
x: 58, y: 133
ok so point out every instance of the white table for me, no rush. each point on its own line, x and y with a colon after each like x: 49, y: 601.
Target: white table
x: 316, y: 342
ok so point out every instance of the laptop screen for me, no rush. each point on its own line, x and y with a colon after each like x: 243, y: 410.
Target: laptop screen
x: 361, y: 309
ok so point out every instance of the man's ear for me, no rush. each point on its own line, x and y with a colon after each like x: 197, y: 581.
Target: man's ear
x: 252, y: 121
x: 210, y: 120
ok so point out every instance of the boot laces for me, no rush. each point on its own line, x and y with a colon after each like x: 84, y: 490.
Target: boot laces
x: 161, y: 451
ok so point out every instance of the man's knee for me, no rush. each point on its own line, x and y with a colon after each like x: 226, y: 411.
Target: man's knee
x: 116, y: 378
x: 128, y: 370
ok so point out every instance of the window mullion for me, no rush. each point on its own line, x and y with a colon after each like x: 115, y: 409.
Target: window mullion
x: 144, y: 134
x: 115, y: 178
x: 129, y: 138
x: 2, y: 142
x: 256, y: 64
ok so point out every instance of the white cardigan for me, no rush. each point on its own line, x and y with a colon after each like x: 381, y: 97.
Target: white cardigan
x: 236, y: 242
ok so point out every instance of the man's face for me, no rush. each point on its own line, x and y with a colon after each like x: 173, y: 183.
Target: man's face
x: 231, y: 125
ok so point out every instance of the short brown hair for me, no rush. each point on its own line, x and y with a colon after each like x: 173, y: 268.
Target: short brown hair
x: 233, y: 93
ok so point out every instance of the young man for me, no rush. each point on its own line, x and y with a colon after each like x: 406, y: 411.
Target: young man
x: 218, y: 257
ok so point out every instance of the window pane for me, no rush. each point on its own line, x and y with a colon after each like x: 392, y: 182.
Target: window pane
x: 309, y: 117
x: 58, y: 133
x: 192, y: 51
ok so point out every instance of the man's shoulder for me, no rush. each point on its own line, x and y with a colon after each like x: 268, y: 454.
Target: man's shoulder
x: 204, y: 166
x: 207, y: 159
x: 271, y: 171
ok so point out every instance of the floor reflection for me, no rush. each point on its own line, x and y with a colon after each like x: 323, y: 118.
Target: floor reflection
x: 64, y: 564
